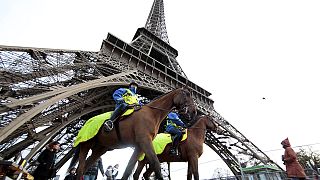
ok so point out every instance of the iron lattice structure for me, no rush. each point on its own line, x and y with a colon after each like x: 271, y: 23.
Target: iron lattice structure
x: 156, y: 23
x: 48, y: 94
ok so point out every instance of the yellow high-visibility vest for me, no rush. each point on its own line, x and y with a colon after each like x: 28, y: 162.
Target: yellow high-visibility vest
x: 130, y: 98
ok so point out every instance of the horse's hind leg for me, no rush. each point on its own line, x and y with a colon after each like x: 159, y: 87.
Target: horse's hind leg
x: 84, y: 149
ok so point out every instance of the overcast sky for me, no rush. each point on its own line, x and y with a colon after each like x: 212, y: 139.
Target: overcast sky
x: 240, y: 51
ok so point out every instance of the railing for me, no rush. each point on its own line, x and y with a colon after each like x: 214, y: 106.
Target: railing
x: 278, y: 175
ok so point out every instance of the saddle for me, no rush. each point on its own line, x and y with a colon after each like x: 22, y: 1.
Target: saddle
x: 130, y: 109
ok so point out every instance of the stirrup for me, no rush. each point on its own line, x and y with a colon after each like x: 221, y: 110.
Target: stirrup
x: 108, y: 125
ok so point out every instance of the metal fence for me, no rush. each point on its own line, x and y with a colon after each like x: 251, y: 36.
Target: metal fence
x: 279, y: 175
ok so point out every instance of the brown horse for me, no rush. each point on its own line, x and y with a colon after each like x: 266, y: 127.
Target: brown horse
x: 190, y: 149
x: 137, y: 130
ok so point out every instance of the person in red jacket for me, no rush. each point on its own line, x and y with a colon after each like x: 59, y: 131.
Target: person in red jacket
x: 293, y: 167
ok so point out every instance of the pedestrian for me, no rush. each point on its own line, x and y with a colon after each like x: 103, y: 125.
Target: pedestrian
x: 46, y: 168
x: 108, y: 173
x: 293, y: 167
x: 115, y: 171
x: 92, y: 172
x: 72, y: 174
x: 112, y: 172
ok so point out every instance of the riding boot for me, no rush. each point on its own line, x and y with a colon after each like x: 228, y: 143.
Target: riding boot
x: 174, y: 147
x: 108, y: 125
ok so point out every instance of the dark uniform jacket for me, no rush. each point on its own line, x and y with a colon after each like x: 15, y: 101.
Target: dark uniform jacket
x: 46, y: 162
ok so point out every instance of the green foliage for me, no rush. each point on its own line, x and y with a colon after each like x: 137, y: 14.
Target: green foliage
x: 309, y: 158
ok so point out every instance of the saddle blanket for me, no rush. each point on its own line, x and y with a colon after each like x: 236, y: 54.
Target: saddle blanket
x: 92, y: 126
x: 160, y: 142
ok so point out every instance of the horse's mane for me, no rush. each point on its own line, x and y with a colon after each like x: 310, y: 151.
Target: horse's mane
x: 196, y: 120
x: 157, y: 97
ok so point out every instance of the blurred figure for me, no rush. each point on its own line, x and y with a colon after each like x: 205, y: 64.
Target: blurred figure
x: 293, y: 167
x: 112, y: 172
x: 72, y: 174
x: 115, y: 171
x: 92, y: 172
x: 108, y: 173
x: 46, y: 160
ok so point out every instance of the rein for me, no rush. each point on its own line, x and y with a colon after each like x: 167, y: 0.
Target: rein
x: 161, y: 109
x: 153, y: 107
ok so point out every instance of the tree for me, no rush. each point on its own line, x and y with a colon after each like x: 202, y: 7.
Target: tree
x: 309, y: 159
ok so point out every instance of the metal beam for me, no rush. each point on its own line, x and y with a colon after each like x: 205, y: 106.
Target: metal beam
x: 61, y: 94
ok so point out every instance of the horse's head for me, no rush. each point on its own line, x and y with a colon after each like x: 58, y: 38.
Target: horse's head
x: 212, y: 125
x: 184, y: 103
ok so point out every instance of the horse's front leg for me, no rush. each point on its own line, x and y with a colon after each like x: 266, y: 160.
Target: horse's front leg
x: 147, y: 148
x: 131, y: 163
x: 137, y: 172
x: 148, y: 173
x: 97, y: 152
x: 189, y: 173
x: 193, y: 168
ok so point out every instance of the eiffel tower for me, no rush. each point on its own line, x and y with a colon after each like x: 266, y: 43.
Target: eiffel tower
x: 48, y: 94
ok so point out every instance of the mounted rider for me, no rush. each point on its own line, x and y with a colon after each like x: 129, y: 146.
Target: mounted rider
x: 175, y: 127
x: 123, y: 97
